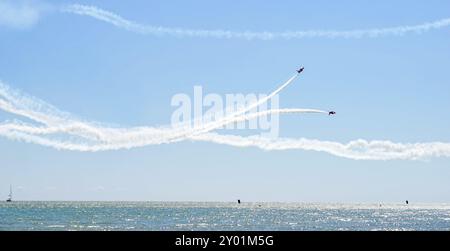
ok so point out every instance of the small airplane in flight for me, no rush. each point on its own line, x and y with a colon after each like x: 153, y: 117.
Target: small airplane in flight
x: 331, y: 113
x: 300, y: 70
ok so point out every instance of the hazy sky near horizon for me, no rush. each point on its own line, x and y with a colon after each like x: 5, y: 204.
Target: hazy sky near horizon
x: 386, y: 88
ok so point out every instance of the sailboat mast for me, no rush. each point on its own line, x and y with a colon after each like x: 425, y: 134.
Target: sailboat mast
x: 10, y: 194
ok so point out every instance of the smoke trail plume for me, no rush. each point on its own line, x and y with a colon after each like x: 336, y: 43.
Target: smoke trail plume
x: 357, y: 149
x: 60, y: 122
x: 96, y: 137
x: 103, y: 137
x: 120, y: 22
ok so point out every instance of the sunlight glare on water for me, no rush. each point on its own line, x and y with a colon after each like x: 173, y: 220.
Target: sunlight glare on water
x: 220, y: 216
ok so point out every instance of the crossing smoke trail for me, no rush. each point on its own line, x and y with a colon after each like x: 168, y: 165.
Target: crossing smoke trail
x: 56, y: 121
x: 120, y: 22
x: 357, y: 149
x: 122, y: 138
x: 101, y: 138
x: 60, y: 122
x: 141, y: 133
x: 243, y: 110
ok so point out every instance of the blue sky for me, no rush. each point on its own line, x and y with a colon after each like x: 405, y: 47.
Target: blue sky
x: 391, y: 88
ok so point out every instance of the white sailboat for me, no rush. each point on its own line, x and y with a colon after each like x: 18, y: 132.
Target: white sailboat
x: 10, y: 194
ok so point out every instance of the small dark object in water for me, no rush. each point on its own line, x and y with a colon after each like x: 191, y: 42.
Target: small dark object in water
x: 239, y: 201
x: 407, y: 202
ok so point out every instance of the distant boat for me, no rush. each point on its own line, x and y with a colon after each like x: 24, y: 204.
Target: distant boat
x: 10, y: 194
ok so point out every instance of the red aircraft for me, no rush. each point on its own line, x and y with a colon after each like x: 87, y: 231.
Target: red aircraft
x: 300, y: 70
x: 331, y: 113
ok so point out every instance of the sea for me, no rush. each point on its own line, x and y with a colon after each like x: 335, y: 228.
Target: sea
x: 169, y: 216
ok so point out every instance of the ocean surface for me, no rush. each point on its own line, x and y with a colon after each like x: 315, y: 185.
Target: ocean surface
x: 220, y: 216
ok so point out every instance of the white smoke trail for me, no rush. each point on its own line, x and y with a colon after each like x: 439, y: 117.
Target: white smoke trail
x: 61, y: 122
x: 358, y: 149
x: 123, y: 23
x: 142, y: 135
x: 56, y: 122
x: 101, y: 138
x: 37, y: 110
x: 267, y: 98
x: 79, y: 127
x: 228, y: 119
